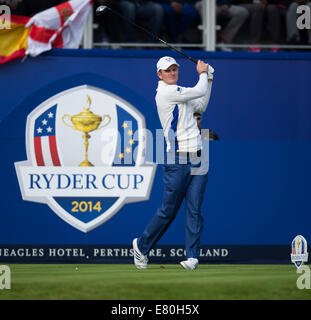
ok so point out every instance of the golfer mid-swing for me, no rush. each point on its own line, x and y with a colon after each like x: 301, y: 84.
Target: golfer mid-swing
x: 176, y: 106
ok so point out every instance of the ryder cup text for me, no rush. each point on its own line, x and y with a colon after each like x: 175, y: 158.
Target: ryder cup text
x: 93, y: 181
x: 84, y: 181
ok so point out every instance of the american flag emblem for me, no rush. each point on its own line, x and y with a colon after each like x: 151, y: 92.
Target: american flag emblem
x: 45, y: 139
x: 293, y: 249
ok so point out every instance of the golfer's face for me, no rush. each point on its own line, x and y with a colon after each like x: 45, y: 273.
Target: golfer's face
x: 170, y: 75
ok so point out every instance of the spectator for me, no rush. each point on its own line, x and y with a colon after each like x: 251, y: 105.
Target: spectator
x: 180, y: 15
x: 275, y: 10
x: 16, y: 6
x: 110, y: 25
x: 256, y: 11
x: 32, y: 7
x: 236, y: 16
x: 145, y: 10
x: 293, y: 33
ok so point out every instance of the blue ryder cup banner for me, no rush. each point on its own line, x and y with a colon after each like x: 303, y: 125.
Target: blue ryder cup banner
x: 82, y: 152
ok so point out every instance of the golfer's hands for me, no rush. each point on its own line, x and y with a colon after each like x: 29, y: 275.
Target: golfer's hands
x: 201, y: 66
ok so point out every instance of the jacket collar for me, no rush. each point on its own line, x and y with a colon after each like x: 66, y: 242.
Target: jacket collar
x: 162, y: 84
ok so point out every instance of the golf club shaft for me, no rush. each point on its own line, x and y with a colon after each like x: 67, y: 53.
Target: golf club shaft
x: 152, y: 35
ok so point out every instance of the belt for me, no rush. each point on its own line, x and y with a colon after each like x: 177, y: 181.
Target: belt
x: 189, y: 154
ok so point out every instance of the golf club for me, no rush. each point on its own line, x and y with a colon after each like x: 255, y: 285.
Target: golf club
x: 102, y: 9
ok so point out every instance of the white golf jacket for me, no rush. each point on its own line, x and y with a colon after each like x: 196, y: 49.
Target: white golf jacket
x: 176, y: 106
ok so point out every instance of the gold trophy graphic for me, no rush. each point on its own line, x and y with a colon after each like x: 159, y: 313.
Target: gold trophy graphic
x: 86, y: 121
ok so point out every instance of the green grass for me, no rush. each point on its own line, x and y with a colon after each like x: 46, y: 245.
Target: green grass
x: 122, y: 282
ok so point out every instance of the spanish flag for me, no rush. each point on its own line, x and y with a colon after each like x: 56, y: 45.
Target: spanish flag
x: 13, y: 41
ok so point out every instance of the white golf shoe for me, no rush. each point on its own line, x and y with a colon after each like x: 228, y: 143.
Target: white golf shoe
x: 140, y: 260
x: 190, y: 264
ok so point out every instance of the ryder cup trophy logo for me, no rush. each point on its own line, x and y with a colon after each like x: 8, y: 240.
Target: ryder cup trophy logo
x: 299, y: 253
x: 85, y: 156
x: 86, y: 121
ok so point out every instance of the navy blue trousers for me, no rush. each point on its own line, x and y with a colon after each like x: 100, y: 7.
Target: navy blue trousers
x: 179, y: 184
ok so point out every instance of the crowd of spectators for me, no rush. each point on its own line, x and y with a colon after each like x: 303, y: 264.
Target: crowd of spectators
x: 171, y: 19
x: 253, y: 22
x: 178, y: 21
x: 269, y: 21
x: 29, y: 7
